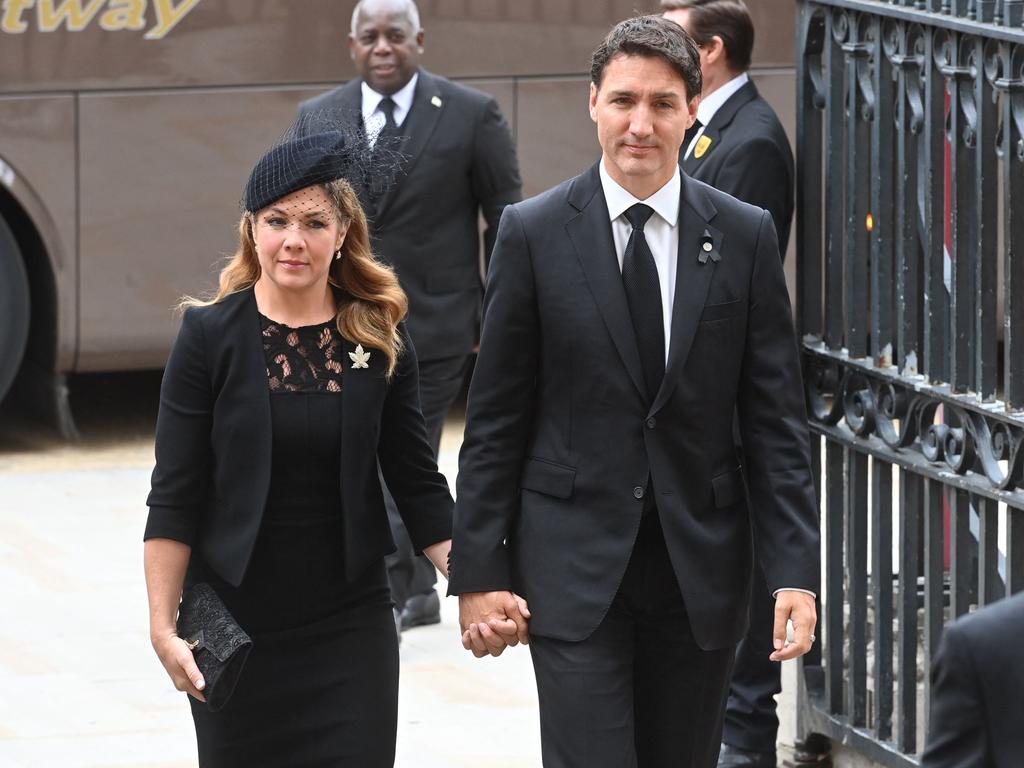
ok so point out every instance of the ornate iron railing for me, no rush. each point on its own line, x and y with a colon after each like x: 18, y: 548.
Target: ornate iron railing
x: 910, y: 265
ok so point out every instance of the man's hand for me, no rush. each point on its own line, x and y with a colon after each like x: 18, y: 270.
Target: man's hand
x: 491, y: 621
x: 797, y: 607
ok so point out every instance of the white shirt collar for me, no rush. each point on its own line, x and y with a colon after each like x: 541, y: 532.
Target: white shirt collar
x: 665, y: 201
x: 402, y: 98
x: 714, y: 101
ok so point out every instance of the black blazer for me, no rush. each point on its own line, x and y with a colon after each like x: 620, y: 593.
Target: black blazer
x: 461, y: 164
x: 977, y: 695
x: 213, y: 446
x: 560, y: 437
x: 749, y: 157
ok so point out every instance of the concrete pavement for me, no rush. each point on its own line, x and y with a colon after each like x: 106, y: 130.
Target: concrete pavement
x: 81, y: 686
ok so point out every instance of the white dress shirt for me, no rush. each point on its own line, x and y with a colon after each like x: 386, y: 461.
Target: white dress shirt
x: 712, y: 103
x: 661, y: 232
x: 373, y: 118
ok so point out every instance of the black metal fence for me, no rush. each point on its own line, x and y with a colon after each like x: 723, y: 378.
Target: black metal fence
x: 911, y: 304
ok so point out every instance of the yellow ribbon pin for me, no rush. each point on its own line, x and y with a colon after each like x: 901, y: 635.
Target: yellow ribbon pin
x: 702, y: 146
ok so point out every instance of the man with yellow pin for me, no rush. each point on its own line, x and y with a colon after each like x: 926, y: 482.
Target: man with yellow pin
x: 738, y: 145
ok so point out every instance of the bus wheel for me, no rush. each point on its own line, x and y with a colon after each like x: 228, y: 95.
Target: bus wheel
x: 14, y: 308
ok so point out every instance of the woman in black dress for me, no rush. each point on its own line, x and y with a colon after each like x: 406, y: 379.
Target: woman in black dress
x: 280, y: 397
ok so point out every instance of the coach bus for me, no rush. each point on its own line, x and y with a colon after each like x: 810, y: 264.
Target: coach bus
x: 127, y: 128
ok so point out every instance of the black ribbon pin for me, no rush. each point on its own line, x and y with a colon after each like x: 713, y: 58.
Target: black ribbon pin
x: 707, y: 249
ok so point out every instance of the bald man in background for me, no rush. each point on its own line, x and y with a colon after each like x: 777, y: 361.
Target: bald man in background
x: 459, y: 165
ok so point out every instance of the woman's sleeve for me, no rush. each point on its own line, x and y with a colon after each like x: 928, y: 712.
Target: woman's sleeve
x: 181, y: 479
x: 407, y: 460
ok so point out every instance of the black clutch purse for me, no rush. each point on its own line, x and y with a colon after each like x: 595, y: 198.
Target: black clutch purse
x: 219, y: 645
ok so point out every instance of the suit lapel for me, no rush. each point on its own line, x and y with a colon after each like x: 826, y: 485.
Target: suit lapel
x: 254, y: 381
x: 345, y: 106
x: 417, y: 128
x: 707, y: 142
x: 710, y: 139
x: 350, y: 103
x: 358, y: 389
x: 591, y: 234
x: 693, y: 279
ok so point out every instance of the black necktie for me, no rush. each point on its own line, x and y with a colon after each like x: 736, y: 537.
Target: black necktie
x: 643, y: 294
x: 387, y: 108
x: 383, y: 142
x: 692, y: 131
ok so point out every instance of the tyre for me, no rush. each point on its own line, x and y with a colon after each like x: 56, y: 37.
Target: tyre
x: 14, y: 308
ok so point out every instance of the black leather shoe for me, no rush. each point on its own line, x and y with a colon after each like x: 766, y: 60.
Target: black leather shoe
x: 734, y: 757
x: 421, y: 610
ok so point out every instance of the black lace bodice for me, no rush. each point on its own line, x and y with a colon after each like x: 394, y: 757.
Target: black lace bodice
x: 306, y: 359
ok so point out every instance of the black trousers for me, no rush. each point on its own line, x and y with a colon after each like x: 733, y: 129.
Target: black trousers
x: 750, y: 719
x: 639, y: 692
x: 440, y: 382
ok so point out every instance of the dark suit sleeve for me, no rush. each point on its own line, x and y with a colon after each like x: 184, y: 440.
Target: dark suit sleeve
x: 495, y: 173
x: 498, y: 419
x: 756, y: 172
x: 407, y: 461
x: 181, y: 479
x: 958, y: 718
x: 773, y: 427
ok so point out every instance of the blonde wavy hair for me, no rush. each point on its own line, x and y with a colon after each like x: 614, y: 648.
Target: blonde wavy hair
x: 374, y: 304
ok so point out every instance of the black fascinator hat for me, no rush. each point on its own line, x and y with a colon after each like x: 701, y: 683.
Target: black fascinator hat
x: 318, y: 149
x: 294, y: 165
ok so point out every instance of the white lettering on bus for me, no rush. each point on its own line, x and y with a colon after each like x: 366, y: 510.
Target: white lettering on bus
x: 77, y: 15
x: 7, y: 174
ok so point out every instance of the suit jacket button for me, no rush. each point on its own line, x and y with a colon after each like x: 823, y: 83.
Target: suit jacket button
x: 638, y: 492
x: 651, y: 423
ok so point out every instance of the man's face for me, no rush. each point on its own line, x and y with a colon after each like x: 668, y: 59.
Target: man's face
x: 642, y: 112
x: 385, y: 47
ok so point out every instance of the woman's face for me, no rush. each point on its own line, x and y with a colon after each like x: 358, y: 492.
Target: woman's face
x: 296, y: 239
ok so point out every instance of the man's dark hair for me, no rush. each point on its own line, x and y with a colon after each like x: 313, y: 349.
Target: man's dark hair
x: 654, y: 37
x: 729, y: 19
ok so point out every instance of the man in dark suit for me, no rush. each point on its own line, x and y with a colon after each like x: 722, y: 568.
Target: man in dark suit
x: 977, y: 696
x: 459, y: 163
x: 739, y: 146
x: 629, y: 312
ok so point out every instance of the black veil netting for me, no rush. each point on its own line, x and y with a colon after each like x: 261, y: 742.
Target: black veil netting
x: 321, y: 147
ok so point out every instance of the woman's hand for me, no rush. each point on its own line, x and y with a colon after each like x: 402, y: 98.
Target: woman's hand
x: 165, y: 562
x: 180, y: 664
x: 438, y: 554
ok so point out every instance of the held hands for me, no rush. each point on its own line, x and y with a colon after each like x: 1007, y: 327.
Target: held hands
x: 492, y: 621
x: 797, y: 607
x: 177, y: 659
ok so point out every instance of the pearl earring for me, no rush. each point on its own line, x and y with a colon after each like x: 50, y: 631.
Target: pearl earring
x: 337, y: 254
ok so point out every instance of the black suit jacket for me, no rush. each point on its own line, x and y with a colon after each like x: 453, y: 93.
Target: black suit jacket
x: 749, y: 158
x: 977, y: 695
x: 461, y: 162
x: 213, y: 446
x: 560, y: 437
